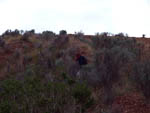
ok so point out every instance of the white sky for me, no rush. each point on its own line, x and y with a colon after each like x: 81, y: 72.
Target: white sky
x: 90, y: 16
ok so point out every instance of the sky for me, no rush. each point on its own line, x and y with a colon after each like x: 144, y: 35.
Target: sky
x: 89, y: 16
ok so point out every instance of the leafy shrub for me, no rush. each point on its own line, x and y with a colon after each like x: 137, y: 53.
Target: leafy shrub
x: 68, y: 79
x: 2, y: 43
x: 48, y: 34
x: 33, y: 93
x: 10, y: 88
x: 82, y: 94
x: 5, y: 107
x: 141, y: 76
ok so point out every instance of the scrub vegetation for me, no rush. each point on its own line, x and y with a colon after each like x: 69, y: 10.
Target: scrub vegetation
x: 44, y: 73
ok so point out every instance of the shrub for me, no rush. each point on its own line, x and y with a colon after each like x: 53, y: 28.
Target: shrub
x: 141, y: 76
x: 112, y: 58
x: 109, y: 61
x: 28, y: 34
x: 32, y: 31
x: 79, y: 34
x: 82, y: 94
x: 121, y: 35
x: 16, y: 32
x: 48, y: 34
x: 32, y: 94
x: 11, y: 88
x: 143, y: 36
x: 2, y: 43
x: 68, y: 79
x: 104, y: 34
x: 25, y: 36
x: 100, y: 41
x: 5, y: 107
x: 6, y: 33
x: 21, y: 31
x: 63, y: 32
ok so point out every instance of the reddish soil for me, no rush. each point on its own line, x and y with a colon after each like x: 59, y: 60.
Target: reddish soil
x: 11, y: 47
x: 131, y: 103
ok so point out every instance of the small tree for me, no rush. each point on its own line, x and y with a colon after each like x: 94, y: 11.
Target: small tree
x: 48, y: 34
x: 121, y: 35
x: 32, y: 31
x: 143, y: 36
x: 21, y: 31
x: 63, y: 32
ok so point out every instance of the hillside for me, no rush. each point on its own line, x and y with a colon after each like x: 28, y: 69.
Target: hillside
x: 39, y: 73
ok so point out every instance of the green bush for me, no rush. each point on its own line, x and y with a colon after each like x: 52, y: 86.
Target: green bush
x: 33, y: 94
x: 10, y: 88
x: 82, y: 94
x: 5, y: 107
